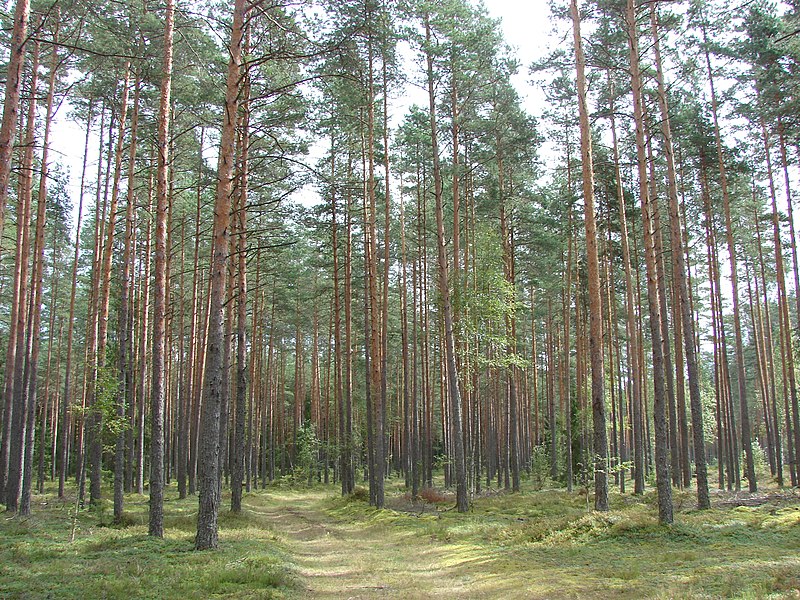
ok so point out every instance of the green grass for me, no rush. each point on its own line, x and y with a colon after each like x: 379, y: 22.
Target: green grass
x: 38, y: 560
x: 304, y: 542
x: 726, y: 552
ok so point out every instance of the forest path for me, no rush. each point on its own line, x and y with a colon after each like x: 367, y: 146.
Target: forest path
x: 339, y: 556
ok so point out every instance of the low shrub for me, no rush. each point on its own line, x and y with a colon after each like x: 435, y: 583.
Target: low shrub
x: 433, y: 496
x: 359, y: 494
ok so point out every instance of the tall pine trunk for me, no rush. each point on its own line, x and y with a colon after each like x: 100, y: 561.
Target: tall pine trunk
x: 746, y: 439
x: 679, y: 273
x: 595, y: 295
x: 452, y: 386
x: 208, y: 463
x: 159, y: 372
x: 20, y: 301
x: 237, y: 472
x: 8, y: 127
x: 37, y: 289
x: 659, y: 391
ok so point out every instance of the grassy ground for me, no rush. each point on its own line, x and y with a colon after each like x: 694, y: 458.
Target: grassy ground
x: 310, y: 543
x: 38, y: 560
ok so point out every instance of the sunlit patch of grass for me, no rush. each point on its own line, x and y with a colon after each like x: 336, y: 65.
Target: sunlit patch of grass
x: 784, y: 519
x: 105, y: 560
x: 745, y: 551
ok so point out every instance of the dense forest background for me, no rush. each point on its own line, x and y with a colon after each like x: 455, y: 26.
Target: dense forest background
x: 272, y: 272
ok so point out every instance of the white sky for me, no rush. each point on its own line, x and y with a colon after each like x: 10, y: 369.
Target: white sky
x: 527, y: 28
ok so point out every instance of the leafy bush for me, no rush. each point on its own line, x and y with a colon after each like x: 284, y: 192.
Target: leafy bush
x: 760, y: 461
x: 539, y: 467
x: 307, y: 452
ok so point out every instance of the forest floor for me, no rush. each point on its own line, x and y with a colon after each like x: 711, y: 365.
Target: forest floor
x: 311, y: 543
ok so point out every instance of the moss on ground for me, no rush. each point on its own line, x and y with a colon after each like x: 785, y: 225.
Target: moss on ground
x: 310, y: 542
x: 38, y: 560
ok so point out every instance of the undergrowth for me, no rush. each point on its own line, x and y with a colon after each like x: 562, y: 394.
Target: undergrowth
x: 119, y: 560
